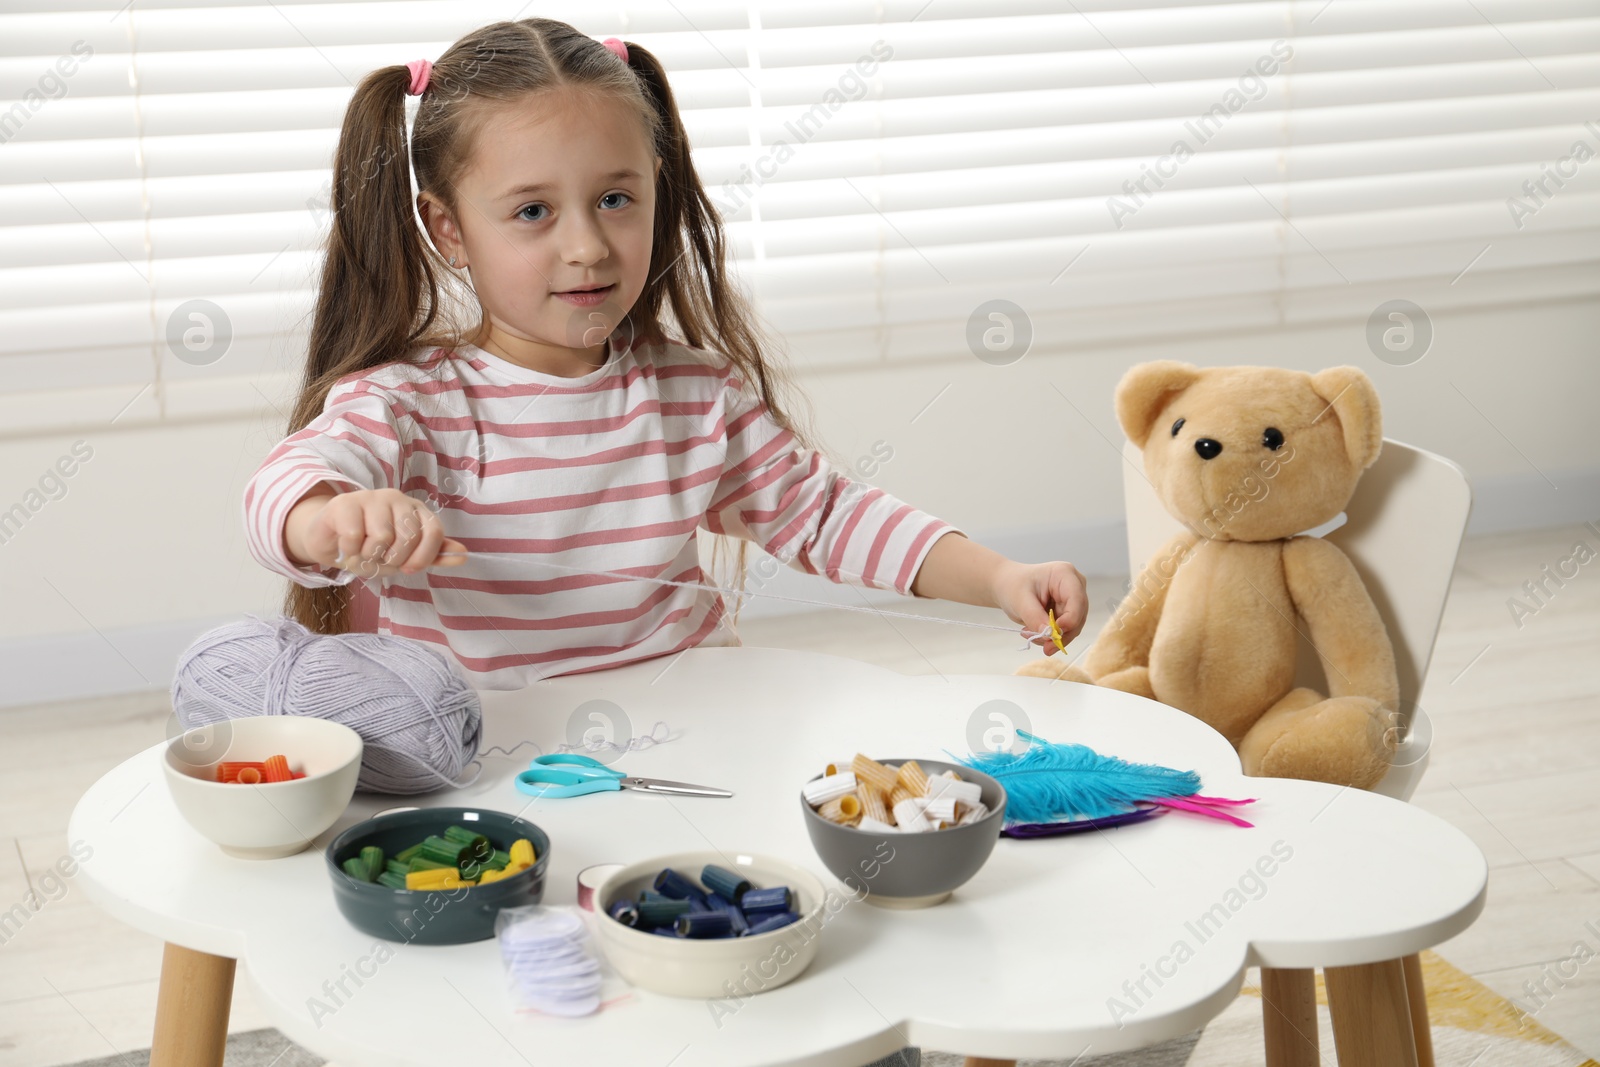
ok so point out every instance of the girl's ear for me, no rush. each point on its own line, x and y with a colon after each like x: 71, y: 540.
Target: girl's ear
x: 442, y: 228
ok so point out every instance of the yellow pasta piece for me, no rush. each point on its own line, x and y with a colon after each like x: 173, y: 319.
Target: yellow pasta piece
x: 899, y: 793
x: 872, y: 805
x: 913, y: 777
x: 871, y: 771
x: 843, y: 810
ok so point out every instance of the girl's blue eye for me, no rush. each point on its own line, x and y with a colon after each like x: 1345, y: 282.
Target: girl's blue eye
x: 521, y: 214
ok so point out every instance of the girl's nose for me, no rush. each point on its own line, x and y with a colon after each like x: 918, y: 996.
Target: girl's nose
x: 584, y: 242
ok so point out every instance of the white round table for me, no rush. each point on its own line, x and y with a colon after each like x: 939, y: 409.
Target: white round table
x: 1092, y: 942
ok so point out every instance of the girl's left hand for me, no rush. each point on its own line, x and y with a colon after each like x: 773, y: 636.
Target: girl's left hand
x: 1025, y: 592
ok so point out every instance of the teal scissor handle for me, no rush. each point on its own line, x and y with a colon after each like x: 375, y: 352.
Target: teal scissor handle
x: 576, y: 776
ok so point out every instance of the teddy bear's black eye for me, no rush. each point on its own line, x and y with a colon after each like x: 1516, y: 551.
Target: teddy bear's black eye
x: 1272, y: 438
x: 1176, y: 427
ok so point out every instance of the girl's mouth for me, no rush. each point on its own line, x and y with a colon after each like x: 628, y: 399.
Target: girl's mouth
x: 588, y: 298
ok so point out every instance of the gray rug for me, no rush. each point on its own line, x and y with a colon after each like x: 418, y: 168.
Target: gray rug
x: 269, y: 1048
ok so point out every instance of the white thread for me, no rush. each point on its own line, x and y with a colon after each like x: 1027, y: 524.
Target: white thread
x: 599, y: 745
x: 740, y: 593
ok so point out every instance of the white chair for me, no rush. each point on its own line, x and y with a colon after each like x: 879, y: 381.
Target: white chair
x: 1402, y: 531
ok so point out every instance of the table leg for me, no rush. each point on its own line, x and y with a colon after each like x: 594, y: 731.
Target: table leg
x: 1371, y: 1015
x: 1417, y: 995
x: 192, y: 1009
x: 1289, y: 1016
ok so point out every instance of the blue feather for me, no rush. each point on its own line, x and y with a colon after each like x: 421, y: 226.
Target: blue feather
x: 1049, y: 782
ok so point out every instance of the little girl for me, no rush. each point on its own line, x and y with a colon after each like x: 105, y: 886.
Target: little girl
x: 485, y: 475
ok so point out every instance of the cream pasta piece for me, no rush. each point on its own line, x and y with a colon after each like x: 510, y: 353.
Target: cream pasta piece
x: 972, y: 814
x: 845, y: 809
x: 940, y: 809
x: 872, y: 772
x: 913, y: 777
x: 965, y: 792
x: 908, y: 816
x: 876, y: 826
x: 821, y: 790
x: 872, y: 805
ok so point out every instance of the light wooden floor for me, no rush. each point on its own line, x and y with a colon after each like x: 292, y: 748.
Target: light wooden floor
x: 1516, y: 764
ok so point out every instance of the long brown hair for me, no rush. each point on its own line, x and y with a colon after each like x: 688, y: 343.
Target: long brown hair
x: 386, y: 292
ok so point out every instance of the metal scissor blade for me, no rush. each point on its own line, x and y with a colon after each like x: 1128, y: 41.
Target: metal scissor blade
x: 656, y: 785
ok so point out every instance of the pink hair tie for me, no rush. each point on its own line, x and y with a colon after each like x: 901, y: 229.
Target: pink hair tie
x: 618, y: 47
x: 419, y: 69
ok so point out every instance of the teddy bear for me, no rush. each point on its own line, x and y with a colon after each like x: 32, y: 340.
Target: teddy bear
x: 1246, y: 458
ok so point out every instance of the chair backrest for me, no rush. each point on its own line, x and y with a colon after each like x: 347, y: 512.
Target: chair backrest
x: 1403, y: 529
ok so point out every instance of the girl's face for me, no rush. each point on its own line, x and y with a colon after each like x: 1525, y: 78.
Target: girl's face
x: 560, y: 196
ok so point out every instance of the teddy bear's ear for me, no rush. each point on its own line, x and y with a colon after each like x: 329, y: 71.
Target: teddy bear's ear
x: 1353, y: 400
x: 1145, y: 390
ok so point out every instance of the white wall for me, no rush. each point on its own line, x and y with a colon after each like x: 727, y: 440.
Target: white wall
x: 104, y: 586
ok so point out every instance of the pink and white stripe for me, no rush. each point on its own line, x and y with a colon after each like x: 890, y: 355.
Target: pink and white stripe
x: 615, y: 470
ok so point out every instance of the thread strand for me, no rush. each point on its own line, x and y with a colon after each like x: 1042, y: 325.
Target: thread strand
x: 736, y: 593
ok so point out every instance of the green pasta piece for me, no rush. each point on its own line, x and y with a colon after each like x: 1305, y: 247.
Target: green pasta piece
x: 372, y: 856
x: 356, y: 869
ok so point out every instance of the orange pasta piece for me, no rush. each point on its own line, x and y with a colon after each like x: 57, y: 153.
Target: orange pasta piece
x: 228, y: 770
x: 276, y: 769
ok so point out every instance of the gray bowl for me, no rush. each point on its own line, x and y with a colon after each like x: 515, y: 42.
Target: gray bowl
x: 899, y: 870
x: 452, y: 916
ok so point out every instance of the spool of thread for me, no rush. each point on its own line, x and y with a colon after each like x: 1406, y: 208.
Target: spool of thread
x: 420, y: 722
x: 589, y: 880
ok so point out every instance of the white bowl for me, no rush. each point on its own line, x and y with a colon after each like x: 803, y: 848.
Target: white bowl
x: 271, y: 819
x: 708, y: 967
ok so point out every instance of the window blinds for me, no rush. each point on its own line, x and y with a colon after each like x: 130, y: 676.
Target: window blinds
x: 1115, y: 170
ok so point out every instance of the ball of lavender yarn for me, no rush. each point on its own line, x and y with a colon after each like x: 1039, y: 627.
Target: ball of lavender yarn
x: 418, y: 719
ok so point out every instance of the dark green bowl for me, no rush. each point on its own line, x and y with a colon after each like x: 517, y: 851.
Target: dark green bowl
x: 439, y: 916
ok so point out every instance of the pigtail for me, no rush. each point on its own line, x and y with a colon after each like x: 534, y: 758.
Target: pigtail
x: 374, y: 273
x: 708, y: 309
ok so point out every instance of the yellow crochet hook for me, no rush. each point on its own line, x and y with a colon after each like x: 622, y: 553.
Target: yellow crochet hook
x: 1055, y: 630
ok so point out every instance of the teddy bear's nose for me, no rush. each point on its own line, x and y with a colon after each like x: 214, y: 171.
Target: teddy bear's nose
x: 1208, y: 448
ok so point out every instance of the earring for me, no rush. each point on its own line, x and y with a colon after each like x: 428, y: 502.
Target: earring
x: 452, y: 261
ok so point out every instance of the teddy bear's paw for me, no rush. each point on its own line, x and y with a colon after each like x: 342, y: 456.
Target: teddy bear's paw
x: 1342, y: 740
x: 1052, y: 667
x: 1135, y: 680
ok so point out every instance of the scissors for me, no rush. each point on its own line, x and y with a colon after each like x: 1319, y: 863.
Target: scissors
x: 567, y: 774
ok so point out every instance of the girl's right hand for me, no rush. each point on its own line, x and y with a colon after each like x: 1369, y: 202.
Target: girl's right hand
x: 370, y: 531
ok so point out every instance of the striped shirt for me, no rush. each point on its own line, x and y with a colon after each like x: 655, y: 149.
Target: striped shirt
x: 615, y: 470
